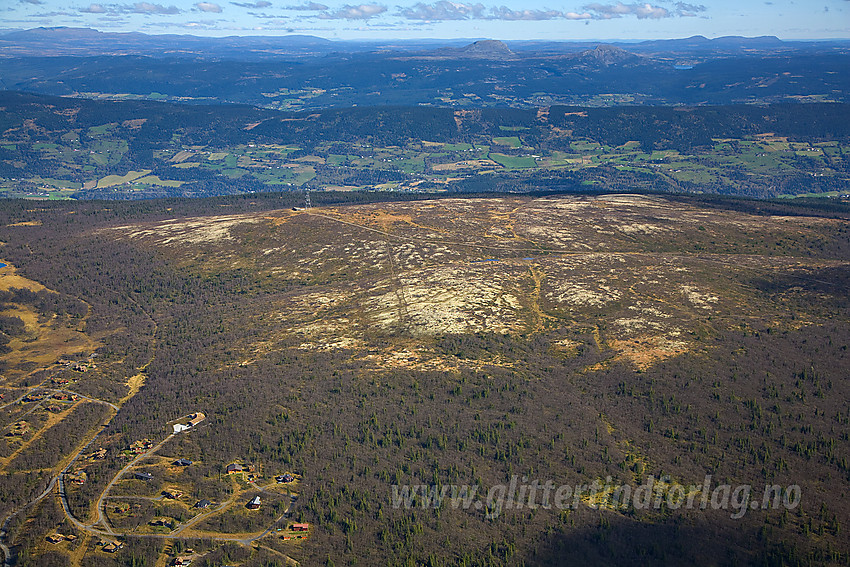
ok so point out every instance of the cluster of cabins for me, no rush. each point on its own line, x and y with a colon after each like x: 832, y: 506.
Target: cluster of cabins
x: 63, y: 397
x: 249, y: 470
x: 73, y: 363
x: 194, y: 420
x: 39, y: 396
x: 164, y: 522
x: 112, y: 546
x: 139, y: 447
x: 77, y: 477
x: 236, y: 468
x: 59, y: 538
x: 58, y: 396
x: 142, y: 475
x: 233, y: 468
x: 107, y: 546
x: 300, y: 532
x: 98, y: 455
x: 19, y: 429
x: 78, y: 366
x: 172, y: 494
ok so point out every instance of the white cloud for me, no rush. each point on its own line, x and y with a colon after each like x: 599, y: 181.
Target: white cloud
x: 190, y: 25
x: 148, y: 8
x: 94, y: 9
x: 442, y: 10
x: 361, y: 12
x: 136, y: 8
x: 307, y: 7
x: 424, y: 12
x: 258, y: 4
x: 618, y: 10
x: 692, y: 8
x: 505, y: 13
x: 208, y: 7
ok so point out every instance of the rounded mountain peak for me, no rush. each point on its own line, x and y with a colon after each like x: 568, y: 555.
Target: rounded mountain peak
x: 605, y: 54
x: 490, y: 48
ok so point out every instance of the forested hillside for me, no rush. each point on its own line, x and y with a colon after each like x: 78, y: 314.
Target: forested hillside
x: 436, y: 342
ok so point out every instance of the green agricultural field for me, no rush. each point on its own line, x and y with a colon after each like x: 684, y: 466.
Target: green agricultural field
x: 287, y: 176
x: 513, y: 162
x: 691, y: 172
x: 510, y: 141
x: 155, y: 180
x: 304, y: 175
x: 667, y: 154
x: 60, y: 195
x: 335, y: 159
x: 107, y: 152
x: 57, y: 183
x: 812, y: 195
x: 101, y: 130
x: 411, y: 165
x: 585, y: 146
x: 111, y: 180
x: 776, y: 146
x: 234, y: 173
x: 630, y: 145
x: 461, y: 147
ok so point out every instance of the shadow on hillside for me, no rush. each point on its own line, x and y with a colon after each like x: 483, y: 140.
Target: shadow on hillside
x: 624, y: 542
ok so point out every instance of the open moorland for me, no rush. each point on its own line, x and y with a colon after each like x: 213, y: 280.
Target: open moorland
x: 166, y: 362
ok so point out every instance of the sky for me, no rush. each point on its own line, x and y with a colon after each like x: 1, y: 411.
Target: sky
x: 501, y: 19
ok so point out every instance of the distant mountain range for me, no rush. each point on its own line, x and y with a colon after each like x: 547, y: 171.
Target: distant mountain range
x: 59, y: 41
x: 83, y: 41
x: 298, y: 72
